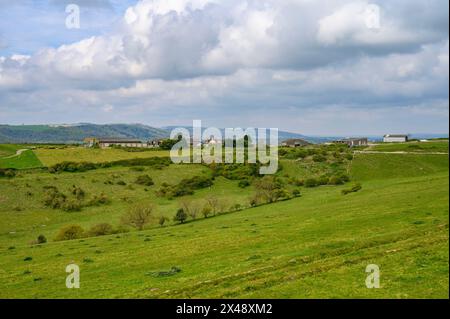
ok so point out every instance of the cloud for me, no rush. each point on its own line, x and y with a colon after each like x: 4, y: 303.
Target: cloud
x: 213, y: 59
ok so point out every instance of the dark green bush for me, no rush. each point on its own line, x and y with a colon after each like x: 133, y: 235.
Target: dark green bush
x: 41, y: 239
x: 9, y: 173
x: 244, y: 183
x: 71, y: 205
x: 296, y: 193
x: 181, y: 216
x: 311, y: 182
x: 69, y: 233
x: 100, y: 230
x: 355, y: 188
x: 144, y: 180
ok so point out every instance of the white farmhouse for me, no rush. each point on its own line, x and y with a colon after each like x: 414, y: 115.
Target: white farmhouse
x: 395, y: 138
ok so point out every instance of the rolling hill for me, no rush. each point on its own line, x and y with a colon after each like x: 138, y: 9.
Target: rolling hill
x: 75, y: 133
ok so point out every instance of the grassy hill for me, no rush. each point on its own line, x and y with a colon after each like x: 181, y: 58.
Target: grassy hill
x: 438, y: 146
x: 76, y: 133
x: 314, y: 246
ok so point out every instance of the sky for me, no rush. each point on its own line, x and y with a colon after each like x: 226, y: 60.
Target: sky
x: 317, y: 67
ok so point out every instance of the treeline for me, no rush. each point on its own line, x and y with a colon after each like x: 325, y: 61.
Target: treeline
x: 74, y: 167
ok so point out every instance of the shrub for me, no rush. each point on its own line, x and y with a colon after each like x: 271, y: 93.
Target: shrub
x: 296, y: 181
x: 296, y: 193
x: 335, y: 180
x: 144, y: 180
x: 138, y: 216
x: 53, y: 197
x: 190, y: 208
x: 206, y: 211
x: 78, y: 192
x: 101, y: 199
x: 319, y: 158
x: 244, y: 183
x: 311, y: 182
x: 185, y: 187
x: 255, y: 200
x: 7, y: 172
x: 41, y: 239
x: 355, y: 188
x: 323, y: 180
x: 181, y: 216
x: 69, y: 233
x: 121, y: 183
x: 101, y: 230
x: 270, y: 189
x: 71, y: 205
x: 162, y: 220
x: 338, y: 180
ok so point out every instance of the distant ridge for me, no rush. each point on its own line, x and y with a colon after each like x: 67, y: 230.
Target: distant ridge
x: 75, y: 133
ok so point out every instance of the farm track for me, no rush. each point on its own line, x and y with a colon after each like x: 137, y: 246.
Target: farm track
x: 18, y: 153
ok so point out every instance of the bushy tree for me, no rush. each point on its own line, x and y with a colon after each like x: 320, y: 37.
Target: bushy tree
x: 138, y: 216
x: 70, y: 232
x: 270, y: 189
x: 181, y: 216
x: 145, y: 180
x: 101, y: 230
x: 162, y: 220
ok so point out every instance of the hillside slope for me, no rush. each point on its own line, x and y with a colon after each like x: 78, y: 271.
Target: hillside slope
x: 316, y: 246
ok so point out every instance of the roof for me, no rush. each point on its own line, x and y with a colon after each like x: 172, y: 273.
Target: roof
x: 296, y: 141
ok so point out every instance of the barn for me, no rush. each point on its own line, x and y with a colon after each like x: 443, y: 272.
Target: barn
x: 395, y: 138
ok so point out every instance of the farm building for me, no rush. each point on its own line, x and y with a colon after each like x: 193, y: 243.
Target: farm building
x: 295, y: 142
x: 352, y: 142
x: 395, y: 138
x: 108, y: 142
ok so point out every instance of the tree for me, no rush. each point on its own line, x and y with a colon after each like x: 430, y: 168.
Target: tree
x: 206, y: 211
x: 213, y: 203
x: 41, y: 239
x: 138, y: 216
x: 190, y: 208
x: 101, y: 230
x: 181, y: 216
x: 269, y: 188
x: 70, y: 232
x: 162, y: 220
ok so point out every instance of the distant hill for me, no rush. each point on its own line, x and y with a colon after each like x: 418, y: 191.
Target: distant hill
x: 76, y: 133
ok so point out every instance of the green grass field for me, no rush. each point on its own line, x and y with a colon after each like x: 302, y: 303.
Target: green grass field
x: 439, y: 146
x: 49, y: 156
x: 314, y: 246
x: 9, y: 159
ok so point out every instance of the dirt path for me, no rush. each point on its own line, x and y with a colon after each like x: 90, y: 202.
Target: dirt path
x: 18, y: 152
